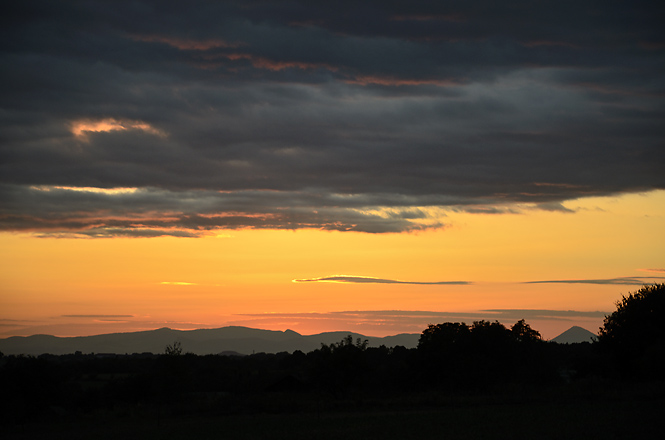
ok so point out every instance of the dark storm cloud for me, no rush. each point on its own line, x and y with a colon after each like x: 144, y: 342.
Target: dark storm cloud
x: 290, y: 114
x: 363, y: 280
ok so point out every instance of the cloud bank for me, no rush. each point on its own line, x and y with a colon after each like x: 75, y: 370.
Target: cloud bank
x: 362, y: 116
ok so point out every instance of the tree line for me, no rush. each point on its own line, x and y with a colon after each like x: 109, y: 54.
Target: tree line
x: 451, y: 358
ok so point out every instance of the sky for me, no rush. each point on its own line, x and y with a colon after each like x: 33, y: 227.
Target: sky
x: 364, y: 166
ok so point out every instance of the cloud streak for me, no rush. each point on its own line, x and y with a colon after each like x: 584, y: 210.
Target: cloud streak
x: 415, y: 321
x: 348, y: 279
x: 545, y: 314
x: 292, y: 115
x: 98, y: 316
x: 177, y: 283
x: 627, y: 281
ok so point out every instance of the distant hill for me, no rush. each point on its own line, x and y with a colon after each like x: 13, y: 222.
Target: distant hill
x: 574, y: 335
x: 243, y: 340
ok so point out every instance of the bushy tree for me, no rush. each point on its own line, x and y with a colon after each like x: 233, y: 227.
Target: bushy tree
x: 492, y: 336
x: 453, y: 354
x: 174, y: 349
x: 523, y: 332
x: 442, y: 337
x: 341, y: 366
x: 348, y: 344
x: 635, y: 333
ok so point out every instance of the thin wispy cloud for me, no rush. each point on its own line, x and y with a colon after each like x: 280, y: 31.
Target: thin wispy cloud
x: 96, y: 325
x: 102, y: 318
x: 4, y: 322
x: 385, y: 316
x: 349, y: 279
x: 625, y: 281
x: 415, y: 321
x: 178, y: 283
x: 98, y: 316
x: 545, y: 314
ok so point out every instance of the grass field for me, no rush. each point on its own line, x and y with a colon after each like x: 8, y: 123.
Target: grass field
x: 607, y: 416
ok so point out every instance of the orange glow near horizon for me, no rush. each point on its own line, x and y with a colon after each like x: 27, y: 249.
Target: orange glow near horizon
x: 244, y: 277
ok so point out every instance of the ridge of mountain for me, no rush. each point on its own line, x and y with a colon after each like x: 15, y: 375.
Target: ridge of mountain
x: 243, y: 340
x: 574, y: 335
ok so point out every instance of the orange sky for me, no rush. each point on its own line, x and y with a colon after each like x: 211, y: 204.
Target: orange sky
x: 67, y: 286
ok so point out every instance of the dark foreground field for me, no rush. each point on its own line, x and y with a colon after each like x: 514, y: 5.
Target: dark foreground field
x: 636, y: 412
x: 462, y: 382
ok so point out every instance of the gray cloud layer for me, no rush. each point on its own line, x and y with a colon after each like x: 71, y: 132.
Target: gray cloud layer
x: 294, y: 114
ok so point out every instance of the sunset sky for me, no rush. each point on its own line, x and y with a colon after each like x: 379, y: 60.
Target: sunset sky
x: 368, y: 166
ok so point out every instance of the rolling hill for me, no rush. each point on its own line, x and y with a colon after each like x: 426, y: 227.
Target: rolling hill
x: 242, y: 340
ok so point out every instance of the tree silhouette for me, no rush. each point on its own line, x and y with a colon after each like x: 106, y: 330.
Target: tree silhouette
x: 348, y: 344
x: 523, y: 332
x: 443, y: 337
x: 634, y: 334
x: 174, y: 349
x: 455, y: 355
x: 491, y: 336
x: 341, y: 365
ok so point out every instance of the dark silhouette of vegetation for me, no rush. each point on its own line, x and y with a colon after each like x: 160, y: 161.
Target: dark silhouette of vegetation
x: 523, y: 332
x: 634, y: 334
x: 174, y: 349
x: 452, y: 362
x: 455, y: 355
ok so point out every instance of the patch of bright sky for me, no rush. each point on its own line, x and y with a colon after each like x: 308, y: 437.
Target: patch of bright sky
x: 109, y: 191
x: 81, y: 128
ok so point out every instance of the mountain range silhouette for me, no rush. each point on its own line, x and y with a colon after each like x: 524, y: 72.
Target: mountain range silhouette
x: 241, y: 340
x: 225, y: 340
